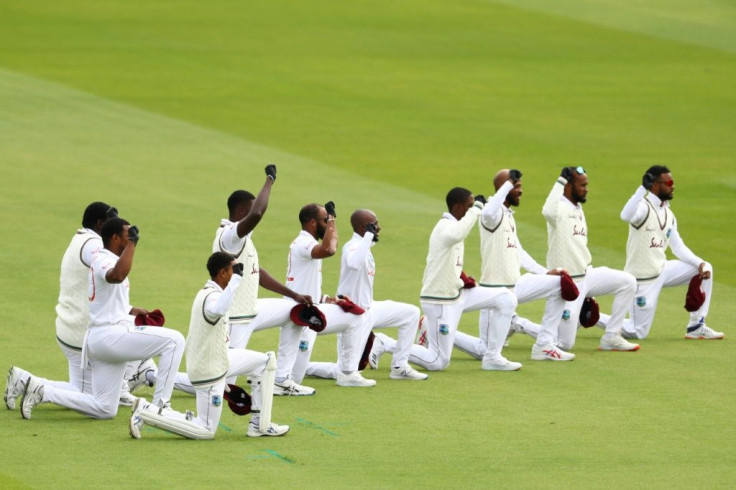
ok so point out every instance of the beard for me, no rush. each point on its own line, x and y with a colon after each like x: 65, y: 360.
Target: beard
x: 578, y: 198
x: 665, y: 196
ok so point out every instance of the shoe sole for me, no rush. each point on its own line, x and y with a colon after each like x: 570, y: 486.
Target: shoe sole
x: 291, y: 393
x: 500, y: 368
x: 407, y: 378
x: 353, y: 385
x: 619, y: 350
x: 554, y: 359
x: 704, y: 338
x: 7, y: 388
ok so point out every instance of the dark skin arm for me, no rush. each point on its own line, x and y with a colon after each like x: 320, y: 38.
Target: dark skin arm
x: 122, y: 268
x: 251, y: 220
x: 267, y: 281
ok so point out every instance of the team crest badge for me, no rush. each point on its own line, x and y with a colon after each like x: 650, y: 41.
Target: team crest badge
x: 444, y: 329
x: 216, y: 400
x: 303, y: 345
x: 641, y: 301
x: 669, y: 233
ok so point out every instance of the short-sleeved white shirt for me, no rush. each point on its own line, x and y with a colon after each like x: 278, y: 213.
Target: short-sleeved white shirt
x: 109, y: 303
x: 304, y: 273
x: 356, y: 276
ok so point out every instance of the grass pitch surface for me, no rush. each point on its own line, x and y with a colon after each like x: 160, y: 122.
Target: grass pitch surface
x: 163, y: 109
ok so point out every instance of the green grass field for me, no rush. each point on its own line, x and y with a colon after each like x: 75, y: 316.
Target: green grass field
x: 164, y: 108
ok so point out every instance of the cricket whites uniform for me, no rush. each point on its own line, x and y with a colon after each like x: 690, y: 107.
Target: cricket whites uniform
x: 567, y: 240
x: 304, y: 276
x: 111, y: 341
x: 502, y: 255
x: 652, y: 229
x: 263, y: 313
x: 443, y: 298
x: 357, y: 272
x: 209, y: 361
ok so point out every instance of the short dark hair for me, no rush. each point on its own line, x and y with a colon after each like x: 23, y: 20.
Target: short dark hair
x: 113, y: 226
x: 217, y: 262
x: 657, y: 170
x: 95, y: 212
x: 309, y: 212
x: 457, y: 195
x: 237, y: 198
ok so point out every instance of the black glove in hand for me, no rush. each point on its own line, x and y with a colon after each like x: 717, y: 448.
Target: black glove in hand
x: 330, y: 208
x: 112, y: 212
x: 514, y: 175
x: 566, y: 174
x: 370, y: 228
x: 238, y: 269
x: 647, y: 181
x: 479, y: 198
x: 133, y: 235
x: 271, y: 171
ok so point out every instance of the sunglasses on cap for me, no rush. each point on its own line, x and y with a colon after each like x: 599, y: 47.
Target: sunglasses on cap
x: 580, y: 170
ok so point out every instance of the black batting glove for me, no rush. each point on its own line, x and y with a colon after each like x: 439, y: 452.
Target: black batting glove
x: 271, y: 171
x: 514, y: 175
x: 133, y: 234
x: 370, y: 228
x: 330, y: 208
x: 112, y: 212
x: 647, y: 181
x: 238, y: 269
x: 479, y: 198
x: 567, y: 174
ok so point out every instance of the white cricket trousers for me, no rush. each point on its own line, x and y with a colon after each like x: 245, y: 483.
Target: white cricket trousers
x: 529, y: 287
x: 108, y: 349
x: 442, y: 321
x: 598, y: 281
x: 381, y: 314
x: 295, y: 346
x: 272, y: 312
x: 675, y: 273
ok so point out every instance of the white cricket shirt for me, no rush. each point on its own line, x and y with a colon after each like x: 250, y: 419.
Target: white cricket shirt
x: 357, y: 270
x: 303, y: 272
x: 108, y: 303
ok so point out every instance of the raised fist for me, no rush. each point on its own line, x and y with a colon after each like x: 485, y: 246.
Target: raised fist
x: 271, y: 171
x: 479, y: 198
x: 647, y: 181
x: 330, y: 208
x: 238, y: 269
x: 514, y: 175
x: 567, y: 173
x: 133, y: 234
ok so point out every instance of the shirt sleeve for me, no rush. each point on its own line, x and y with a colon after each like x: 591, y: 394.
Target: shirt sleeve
x: 217, y: 305
x: 230, y: 242
x: 358, y: 253
x: 302, y: 249
x: 552, y: 204
x: 635, y: 210
x: 528, y: 262
x: 492, y: 211
x: 89, y: 249
x: 681, y: 251
x: 456, y: 231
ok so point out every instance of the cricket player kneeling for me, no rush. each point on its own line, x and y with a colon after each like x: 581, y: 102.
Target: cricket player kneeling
x: 208, y: 361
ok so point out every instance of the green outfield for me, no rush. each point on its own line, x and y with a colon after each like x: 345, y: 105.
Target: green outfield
x: 164, y: 108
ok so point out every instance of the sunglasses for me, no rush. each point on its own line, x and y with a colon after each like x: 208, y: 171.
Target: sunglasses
x: 580, y: 170
x: 668, y: 183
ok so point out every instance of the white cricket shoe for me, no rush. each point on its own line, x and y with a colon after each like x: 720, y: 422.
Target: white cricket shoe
x: 136, y: 421
x: 354, y: 379
x: 289, y: 387
x: 704, y: 333
x: 500, y: 364
x: 378, y: 349
x: 550, y: 352
x: 126, y: 400
x: 616, y: 343
x: 406, y: 372
x: 138, y: 376
x: 273, y: 430
x: 14, y: 386
x: 422, y: 332
x: 32, y: 396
